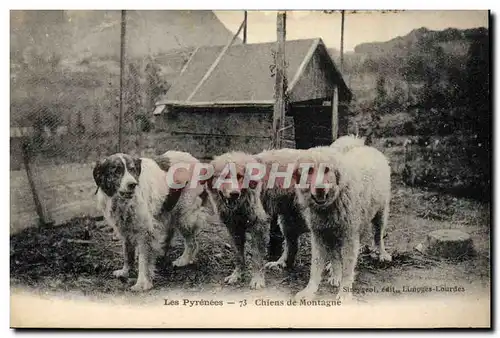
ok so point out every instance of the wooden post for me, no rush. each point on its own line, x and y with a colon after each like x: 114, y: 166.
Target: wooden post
x: 43, y: 220
x: 280, y: 90
x: 245, y: 28
x: 335, y: 113
x: 276, y: 238
x: 122, y: 73
x: 342, y: 41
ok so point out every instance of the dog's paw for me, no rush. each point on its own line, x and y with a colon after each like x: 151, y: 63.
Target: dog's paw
x: 276, y: 265
x: 142, y: 285
x: 307, y: 294
x: 345, y: 297
x: 182, y: 261
x: 233, y: 278
x: 334, y: 281
x: 122, y: 273
x: 257, y: 282
x: 384, y: 257
x: 334, y: 275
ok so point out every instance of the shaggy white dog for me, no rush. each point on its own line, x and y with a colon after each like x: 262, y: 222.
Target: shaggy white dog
x: 344, y: 192
x: 136, y: 201
x: 279, y: 196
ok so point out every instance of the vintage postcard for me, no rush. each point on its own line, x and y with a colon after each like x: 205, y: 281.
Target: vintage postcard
x: 250, y: 169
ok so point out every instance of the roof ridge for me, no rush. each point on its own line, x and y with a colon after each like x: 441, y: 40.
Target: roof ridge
x: 304, y: 63
x: 216, y: 62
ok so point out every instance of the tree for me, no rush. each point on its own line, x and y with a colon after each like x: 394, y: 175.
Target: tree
x: 380, y: 103
x: 155, y: 85
x: 477, y: 116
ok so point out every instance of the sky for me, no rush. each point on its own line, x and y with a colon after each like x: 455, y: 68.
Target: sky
x: 359, y: 27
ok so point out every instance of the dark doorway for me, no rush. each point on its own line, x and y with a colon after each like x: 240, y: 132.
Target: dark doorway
x: 313, y: 125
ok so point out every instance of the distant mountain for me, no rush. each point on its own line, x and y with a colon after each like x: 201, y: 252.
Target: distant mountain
x: 418, y: 39
x: 97, y: 33
x: 421, y: 46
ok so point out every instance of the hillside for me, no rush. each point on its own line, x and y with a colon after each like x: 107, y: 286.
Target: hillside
x: 410, y: 59
x: 391, y: 57
x: 67, y: 62
x: 402, y: 45
x: 97, y: 33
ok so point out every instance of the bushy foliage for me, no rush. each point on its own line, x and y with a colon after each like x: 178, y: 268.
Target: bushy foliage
x: 445, y: 94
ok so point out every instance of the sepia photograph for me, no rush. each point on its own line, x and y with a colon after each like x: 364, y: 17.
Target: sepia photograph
x: 250, y: 169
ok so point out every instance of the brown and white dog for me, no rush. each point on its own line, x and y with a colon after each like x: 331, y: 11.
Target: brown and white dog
x: 236, y: 197
x: 138, y: 204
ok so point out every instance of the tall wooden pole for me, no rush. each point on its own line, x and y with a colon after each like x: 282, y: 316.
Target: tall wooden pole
x: 43, y: 219
x: 245, y: 28
x: 342, y: 41
x: 280, y: 104
x: 122, y: 74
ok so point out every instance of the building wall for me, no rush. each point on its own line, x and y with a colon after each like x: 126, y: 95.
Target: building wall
x: 212, y: 131
x: 316, y: 85
x: 315, y: 82
x: 209, y: 132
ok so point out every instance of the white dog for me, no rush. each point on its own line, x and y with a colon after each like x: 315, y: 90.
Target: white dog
x: 136, y: 201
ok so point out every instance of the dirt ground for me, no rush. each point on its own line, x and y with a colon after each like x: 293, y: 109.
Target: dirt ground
x: 79, y: 257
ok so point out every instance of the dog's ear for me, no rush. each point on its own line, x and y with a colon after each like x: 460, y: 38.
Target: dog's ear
x: 296, y: 175
x: 338, y: 176
x: 170, y: 201
x: 99, y: 172
x: 163, y: 162
x: 137, y: 165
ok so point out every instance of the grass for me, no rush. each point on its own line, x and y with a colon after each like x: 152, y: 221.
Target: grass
x: 81, y: 255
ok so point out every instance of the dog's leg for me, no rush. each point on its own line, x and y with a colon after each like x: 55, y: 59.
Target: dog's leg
x: 379, y: 223
x: 167, y: 240
x: 259, y: 237
x: 349, y: 251
x: 318, y: 261
x: 334, y: 268
x: 189, y: 232
x: 275, y: 236
x: 290, y: 245
x: 128, y: 259
x: 237, y: 232
x: 145, y: 264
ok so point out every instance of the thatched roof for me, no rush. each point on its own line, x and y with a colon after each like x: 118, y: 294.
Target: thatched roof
x: 242, y: 75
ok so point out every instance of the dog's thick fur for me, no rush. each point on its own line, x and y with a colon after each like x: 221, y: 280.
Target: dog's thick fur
x: 360, y: 194
x: 242, y: 212
x: 280, y: 203
x: 347, y: 142
x: 136, y: 201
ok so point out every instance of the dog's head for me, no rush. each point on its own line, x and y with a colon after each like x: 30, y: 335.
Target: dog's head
x: 320, y: 179
x: 118, y: 175
x: 236, y: 176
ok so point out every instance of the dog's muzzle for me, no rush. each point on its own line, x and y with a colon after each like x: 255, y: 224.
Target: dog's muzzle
x: 320, y: 197
x: 232, y: 201
x: 129, y: 193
